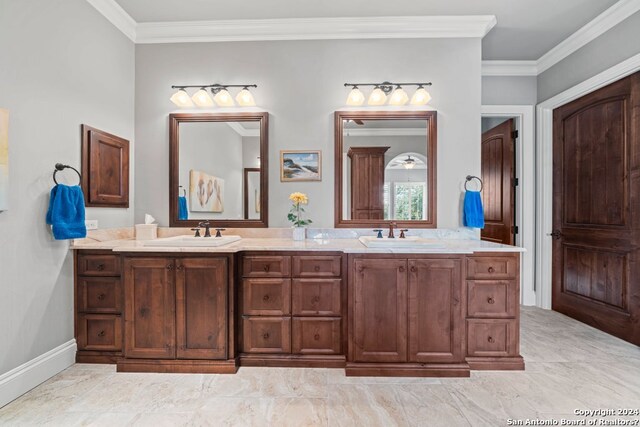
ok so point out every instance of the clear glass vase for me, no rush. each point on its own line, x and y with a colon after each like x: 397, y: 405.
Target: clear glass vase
x: 299, y: 233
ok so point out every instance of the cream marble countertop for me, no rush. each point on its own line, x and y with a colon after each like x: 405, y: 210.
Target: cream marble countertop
x: 451, y: 246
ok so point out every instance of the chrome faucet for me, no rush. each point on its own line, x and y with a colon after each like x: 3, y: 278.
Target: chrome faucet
x: 391, y: 227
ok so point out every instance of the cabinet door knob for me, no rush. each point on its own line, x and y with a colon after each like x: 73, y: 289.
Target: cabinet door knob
x: 101, y: 297
x: 101, y: 333
x: 491, y: 340
x: 413, y: 269
x: 316, y: 337
x: 100, y: 267
x: 360, y: 269
x: 170, y: 267
x: 265, y: 298
x: 401, y: 269
x: 491, y: 270
x: 490, y: 300
x: 315, y: 300
x: 265, y: 336
x: 180, y: 267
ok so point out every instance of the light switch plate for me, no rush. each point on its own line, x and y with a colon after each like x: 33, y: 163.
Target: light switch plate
x: 91, y: 224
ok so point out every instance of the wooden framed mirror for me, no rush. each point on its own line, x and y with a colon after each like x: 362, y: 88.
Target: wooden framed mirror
x: 385, y: 169
x: 210, y: 155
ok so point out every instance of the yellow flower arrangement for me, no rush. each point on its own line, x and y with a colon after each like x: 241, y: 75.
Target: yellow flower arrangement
x: 295, y: 212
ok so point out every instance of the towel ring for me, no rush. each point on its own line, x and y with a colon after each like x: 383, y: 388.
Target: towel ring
x: 469, y: 178
x: 60, y: 166
x: 184, y: 191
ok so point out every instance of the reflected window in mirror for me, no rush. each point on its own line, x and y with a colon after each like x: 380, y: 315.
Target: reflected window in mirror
x: 385, y: 168
x: 216, y: 169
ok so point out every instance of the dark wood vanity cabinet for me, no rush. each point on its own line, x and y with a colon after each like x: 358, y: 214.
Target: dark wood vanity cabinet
x: 405, y: 311
x: 367, y: 182
x: 291, y: 309
x: 176, y: 308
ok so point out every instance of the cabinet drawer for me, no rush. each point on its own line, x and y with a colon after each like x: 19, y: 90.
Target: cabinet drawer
x: 266, y: 266
x: 99, y: 265
x: 316, y: 266
x: 270, y: 297
x: 316, y: 335
x: 266, y: 334
x: 495, y: 298
x: 100, y: 295
x: 491, y: 267
x: 492, y: 337
x: 316, y: 297
x: 99, y: 332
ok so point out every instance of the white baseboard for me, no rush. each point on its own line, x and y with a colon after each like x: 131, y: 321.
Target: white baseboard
x: 20, y: 380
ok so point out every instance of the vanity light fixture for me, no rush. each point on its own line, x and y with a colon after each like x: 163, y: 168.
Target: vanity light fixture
x: 181, y: 98
x: 409, y: 163
x: 202, y: 99
x: 356, y: 97
x: 380, y: 91
x: 221, y: 96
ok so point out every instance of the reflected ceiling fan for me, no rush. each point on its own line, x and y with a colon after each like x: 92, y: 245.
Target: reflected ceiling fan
x: 356, y: 121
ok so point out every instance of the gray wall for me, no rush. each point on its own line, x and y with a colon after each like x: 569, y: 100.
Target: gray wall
x: 503, y: 90
x: 62, y: 64
x: 619, y: 43
x: 301, y: 85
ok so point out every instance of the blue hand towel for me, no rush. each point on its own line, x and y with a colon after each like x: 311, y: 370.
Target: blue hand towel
x: 473, y: 212
x: 66, y: 212
x: 183, y: 212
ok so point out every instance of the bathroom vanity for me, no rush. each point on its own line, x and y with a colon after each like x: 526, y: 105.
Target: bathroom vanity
x: 275, y: 302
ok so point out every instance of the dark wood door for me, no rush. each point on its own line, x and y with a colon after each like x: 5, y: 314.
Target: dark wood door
x: 498, y: 177
x: 435, y: 311
x: 201, y: 308
x: 380, y: 310
x: 150, y: 330
x: 596, y: 209
x: 367, y: 182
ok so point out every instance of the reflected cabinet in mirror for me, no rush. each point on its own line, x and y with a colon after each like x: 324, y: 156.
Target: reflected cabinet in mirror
x: 218, y: 169
x: 385, y: 168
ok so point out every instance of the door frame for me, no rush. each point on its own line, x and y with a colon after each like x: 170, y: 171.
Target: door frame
x: 525, y: 191
x: 544, y: 158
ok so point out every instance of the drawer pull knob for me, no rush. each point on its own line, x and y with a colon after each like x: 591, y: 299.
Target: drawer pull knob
x: 491, y: 270
x: 491, y: 340
x: 265, y: 298
x: 101, y: 297
x: 101, y: 333
x: 316, y: 337
x: 100, y: 267
x: 266, y: 268
x: 265, y: 336
x: 490, y: 300
x: 316, y: 268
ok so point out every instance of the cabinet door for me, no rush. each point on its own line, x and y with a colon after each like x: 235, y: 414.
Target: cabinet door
x: 435, y: 310
x: 150, y: 330
x: 201, y: 308
x: 380, y: 310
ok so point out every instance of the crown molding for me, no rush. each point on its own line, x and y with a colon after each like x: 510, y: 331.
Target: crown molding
x: 117, y: 16
x: 592, y: 30
x: 509, y: 68
x: 315, y: 29
x: 242, y: 131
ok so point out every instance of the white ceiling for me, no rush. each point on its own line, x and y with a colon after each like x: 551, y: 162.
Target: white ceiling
x: 526, y: 29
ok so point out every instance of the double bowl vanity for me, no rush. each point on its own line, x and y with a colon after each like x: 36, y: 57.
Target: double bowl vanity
x: 437, y: 310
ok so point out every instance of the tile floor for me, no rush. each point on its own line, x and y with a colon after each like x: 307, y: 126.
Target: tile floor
x: 568, y: 366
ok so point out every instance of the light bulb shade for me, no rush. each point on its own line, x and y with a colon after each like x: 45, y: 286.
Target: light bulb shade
x: 245, y: 99
x: 409, y: 163
x: 202, y: 99
x: 420, y: 97
x: 399, y: 97
x: 181, y: 98
x: 356, y: 97
x: 223, y: 98
x: 377, y: 97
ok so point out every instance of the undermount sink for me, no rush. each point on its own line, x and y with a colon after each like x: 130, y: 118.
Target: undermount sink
x: 407, y: 242
x: 193, y: 241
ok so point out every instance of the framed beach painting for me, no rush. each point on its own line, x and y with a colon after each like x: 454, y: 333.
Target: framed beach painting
x: 300, y: 165
x: 4, y: 159
x: 206, y: 192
